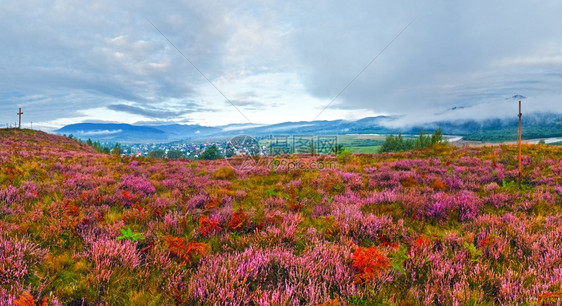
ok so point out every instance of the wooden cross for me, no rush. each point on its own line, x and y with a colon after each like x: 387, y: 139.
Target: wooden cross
x: 519, y: 144
x: 19, y: 114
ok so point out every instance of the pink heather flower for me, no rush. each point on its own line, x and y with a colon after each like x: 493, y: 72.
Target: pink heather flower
x: 353, y: 180
x: 240, y: 195
x: 9, y: 195
x: 558, y: 190
x: 499, y: 200
x: 18, y: 259
x: 109, y: 255
x: 321, y: 210
x: 275, y: 274
x: 468, y: 204
x: 137, y: 185
x: 493, y: 186
x: 198, y: 201
x: 172, y: 222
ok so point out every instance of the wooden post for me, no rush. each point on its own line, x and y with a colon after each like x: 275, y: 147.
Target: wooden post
x: 19, y: 114
x: 519, y: 143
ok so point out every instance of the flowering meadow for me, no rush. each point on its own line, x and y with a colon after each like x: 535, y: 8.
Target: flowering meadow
x: 443, y: 225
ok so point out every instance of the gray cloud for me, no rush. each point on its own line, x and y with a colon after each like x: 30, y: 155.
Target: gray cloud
x: 454, y: 53
x: 501, y: 109
x: 62, y: 58
x: 149, y: 112
x: 83, y: 56
x: 249, y: 100
x: 246, y: 104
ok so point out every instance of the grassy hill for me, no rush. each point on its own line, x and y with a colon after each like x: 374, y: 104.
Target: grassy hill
x: 440, y: 226
x: 23, y: 139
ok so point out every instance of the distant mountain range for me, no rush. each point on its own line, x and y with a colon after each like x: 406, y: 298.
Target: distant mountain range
x: 535, y: 126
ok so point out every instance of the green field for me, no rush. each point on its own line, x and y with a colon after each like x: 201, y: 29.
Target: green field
x: 365, y: 150
x: 368, y: 144
x: 356, y: 143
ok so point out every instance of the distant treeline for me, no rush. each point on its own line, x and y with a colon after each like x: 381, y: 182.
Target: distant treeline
x: 510, y: 134
x: 116, y: 150
x: 399, y: 143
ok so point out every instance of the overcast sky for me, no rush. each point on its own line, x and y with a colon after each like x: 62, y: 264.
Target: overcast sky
x: 91, y: 61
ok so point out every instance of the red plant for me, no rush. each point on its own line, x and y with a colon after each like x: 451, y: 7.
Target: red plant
x: 369, y: 262
x: 386, y: 243
x: 438, y: 185
x: 71, y: 210
x: 27, y: 300
x: 421, y: 241
x: 138, y: 206
x: 488, y: 240
x: 99, y: 217
x: 127, y: 195
x: 158, y: 212
x: 207, y: 226
x: 293, y: 203
x: 408, y: 181
x: 334, y: 302
x: 549, y: 297
x: 186, y: 252
x: 213, y: 204
x: 147, y: 248
x: 269, y: 220
x: 238, y: 220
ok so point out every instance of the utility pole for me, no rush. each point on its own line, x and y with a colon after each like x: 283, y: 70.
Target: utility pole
x: 19, y: 114
x: 519, y: 143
